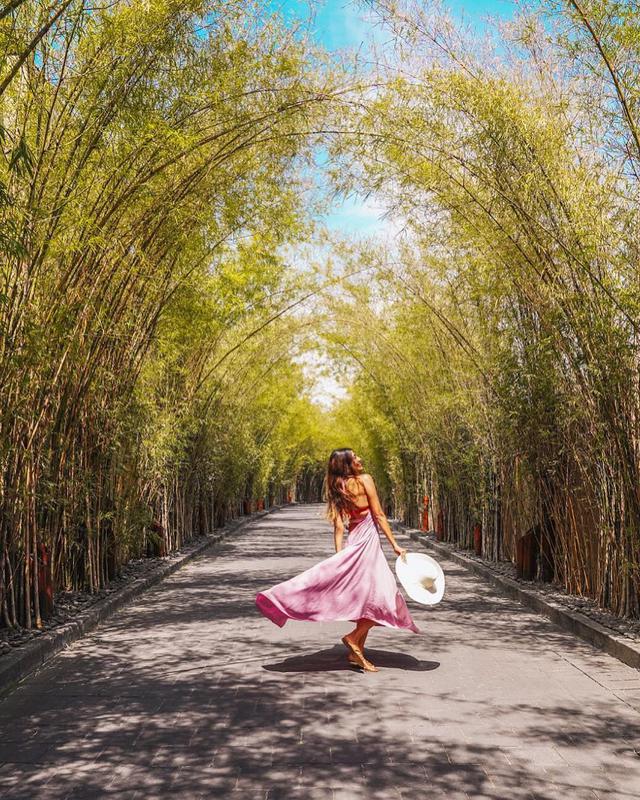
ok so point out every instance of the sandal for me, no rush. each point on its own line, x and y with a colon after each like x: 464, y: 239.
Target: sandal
x: 359, y: 658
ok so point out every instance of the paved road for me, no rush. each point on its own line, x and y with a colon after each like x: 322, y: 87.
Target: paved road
x: 191, y: 693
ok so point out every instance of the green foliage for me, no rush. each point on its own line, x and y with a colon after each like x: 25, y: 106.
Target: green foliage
x: 149, y: 181
x: 154, y: 166
x: 506, y: 363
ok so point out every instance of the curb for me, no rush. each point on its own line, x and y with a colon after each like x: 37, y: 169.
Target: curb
x: 615, y: 645
x: 15, y: 667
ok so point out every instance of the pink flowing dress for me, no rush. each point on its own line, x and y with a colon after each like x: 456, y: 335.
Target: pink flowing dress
x: 354, y: 583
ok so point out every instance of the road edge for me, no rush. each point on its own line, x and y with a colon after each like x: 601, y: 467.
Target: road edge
x: 571, y: 621
x: 18, y: 666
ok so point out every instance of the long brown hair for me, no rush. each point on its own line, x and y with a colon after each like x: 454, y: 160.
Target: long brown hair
x: 340, y: 501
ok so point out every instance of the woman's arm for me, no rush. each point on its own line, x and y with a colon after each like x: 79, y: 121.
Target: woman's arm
x: 338, y: 533
x: 378, y: 514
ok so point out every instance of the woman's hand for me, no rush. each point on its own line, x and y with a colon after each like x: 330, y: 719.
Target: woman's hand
x: 399, y: 551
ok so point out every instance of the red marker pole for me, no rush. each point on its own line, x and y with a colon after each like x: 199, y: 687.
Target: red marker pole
x: 425, y: 514
x: 477, y: 539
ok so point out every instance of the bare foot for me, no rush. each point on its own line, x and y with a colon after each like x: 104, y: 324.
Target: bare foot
x: 358, y: 657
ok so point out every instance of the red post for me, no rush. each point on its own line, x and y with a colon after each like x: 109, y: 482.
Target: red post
x: 477, y: 539
x: 424, y: 525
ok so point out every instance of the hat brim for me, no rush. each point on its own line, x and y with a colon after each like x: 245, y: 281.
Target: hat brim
x: 421, y: 577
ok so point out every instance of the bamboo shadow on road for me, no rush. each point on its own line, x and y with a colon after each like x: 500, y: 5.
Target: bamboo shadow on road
x: 335, y: 659
x: 222, y: 732
x: 172, y: 698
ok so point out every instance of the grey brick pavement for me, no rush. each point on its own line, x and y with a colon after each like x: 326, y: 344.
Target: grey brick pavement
x: 190, y: 693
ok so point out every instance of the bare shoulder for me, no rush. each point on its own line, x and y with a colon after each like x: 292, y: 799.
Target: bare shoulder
x: 367, y: 480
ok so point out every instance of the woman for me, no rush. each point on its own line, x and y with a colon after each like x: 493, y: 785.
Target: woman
x: 356, y: 583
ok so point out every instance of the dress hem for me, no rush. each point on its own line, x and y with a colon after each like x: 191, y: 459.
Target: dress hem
x: 279, y: 617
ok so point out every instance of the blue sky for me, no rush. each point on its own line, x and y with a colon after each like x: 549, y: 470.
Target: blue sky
x: 337, y: 25
x: 342, y: 24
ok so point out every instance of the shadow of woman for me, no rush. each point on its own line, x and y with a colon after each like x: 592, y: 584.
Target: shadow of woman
x: 335, y: 659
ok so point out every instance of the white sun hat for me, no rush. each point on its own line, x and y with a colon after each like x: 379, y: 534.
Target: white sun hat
x: 421, y: 577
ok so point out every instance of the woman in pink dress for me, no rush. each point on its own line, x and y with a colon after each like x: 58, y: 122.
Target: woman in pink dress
x: 356, y: 583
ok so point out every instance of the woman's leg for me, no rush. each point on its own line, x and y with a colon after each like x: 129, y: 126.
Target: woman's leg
x: 364, y: 626
x: 355, y: 640
x: 359, y: 634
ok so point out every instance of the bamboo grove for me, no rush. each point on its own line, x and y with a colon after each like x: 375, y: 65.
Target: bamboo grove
x: 163, y: 282
x: 502, y: 379
x: 148, y: 182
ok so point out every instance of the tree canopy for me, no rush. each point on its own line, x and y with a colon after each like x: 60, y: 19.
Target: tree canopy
x: 167, y: 286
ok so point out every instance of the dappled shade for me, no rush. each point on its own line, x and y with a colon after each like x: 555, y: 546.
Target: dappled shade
x: 191, y: 692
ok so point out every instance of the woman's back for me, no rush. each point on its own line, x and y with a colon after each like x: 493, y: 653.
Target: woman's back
x: 359, y: 495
